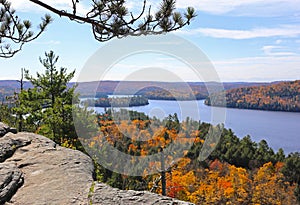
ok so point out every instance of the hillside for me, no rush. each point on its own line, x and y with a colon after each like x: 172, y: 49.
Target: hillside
x: 281, y: 96
x: 151, y: 89
x: 155, y: 90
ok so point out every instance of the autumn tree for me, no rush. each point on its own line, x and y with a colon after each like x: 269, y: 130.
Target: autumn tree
x: 269, y: 186
x: 107, y: 18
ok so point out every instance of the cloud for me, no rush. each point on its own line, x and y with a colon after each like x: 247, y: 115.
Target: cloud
x: 269, y: 68
x: 276, y: 51
x: 51, y: 42
x: 27, y: 6
x: 244, y: 7
x: 281, y: 31
x: 217, y: 7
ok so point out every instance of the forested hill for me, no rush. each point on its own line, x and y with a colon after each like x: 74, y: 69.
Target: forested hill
x: 282, y: 96
x: 150, y: 89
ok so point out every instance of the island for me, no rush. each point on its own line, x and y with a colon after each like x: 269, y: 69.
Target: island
x: 117, y: 101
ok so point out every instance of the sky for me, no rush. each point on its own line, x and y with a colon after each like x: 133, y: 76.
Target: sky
x: 249, y: 40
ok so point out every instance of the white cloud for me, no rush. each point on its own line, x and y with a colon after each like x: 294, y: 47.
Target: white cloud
x: 269, y: 68
x: 281, y: 31
x: 51, y: 42
x: 244, y: 7
x: 234, y: 7
x: 27, y: 6
x: 276, y: 51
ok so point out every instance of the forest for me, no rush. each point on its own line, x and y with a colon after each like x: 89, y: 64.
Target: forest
x: 156, y: 93
x: 237, y: 171
x: 117, y: 101
x: 282, y: 96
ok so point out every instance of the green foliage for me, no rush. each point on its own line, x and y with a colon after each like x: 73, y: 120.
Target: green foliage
x: 297, y: 192
x: 291, y: 171
x: 172, y: 123
x: 242, y: 152
x: 6, y: 114
x: 49, y: 103
x: 280, y: 156
x: 117, y: 101
x: 291, y: 168
x: 47, y: 108
x: 26, y: 108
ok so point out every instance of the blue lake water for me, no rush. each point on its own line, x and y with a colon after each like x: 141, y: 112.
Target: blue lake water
x: 279, y: 129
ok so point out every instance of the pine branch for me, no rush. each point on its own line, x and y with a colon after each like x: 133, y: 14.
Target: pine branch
x: 14, y: 33
x: 108, y: 19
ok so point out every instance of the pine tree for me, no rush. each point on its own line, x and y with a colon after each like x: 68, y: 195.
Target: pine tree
x: 49, y: 103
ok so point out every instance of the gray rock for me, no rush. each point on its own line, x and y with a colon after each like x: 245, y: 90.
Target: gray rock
x: 8, y: 145
x: 4, y: 128
x: 13, y: 130
x: 11, y: 178
x: 52, y: 174
x: 106, y: 195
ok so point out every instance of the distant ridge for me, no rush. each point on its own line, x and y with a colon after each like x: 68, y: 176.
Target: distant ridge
x: 279, y: 96
x: 87, y: 89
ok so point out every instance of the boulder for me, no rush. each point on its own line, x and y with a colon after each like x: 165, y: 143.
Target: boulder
x: 52, y: 174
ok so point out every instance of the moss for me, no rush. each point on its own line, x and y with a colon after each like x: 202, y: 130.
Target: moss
x: 91, y: 192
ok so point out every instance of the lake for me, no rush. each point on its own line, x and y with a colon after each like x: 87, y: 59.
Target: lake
x: 279, y: 129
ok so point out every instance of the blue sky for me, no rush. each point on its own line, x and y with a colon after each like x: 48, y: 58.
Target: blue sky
x: 249, y: 40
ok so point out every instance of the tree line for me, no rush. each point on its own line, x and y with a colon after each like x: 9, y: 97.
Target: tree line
x: 117, y: 101
x: 283, y: 96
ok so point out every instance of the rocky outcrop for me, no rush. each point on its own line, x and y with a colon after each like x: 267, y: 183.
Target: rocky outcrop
x: 106, y: 195
x: 11, y: 178
x: 34, y: 170
x: 5, y: 129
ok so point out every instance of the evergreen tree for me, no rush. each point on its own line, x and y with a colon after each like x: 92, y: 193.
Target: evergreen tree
x: 49, y: 103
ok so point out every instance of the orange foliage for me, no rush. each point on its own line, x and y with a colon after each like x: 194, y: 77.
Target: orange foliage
x: 222, y: 183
